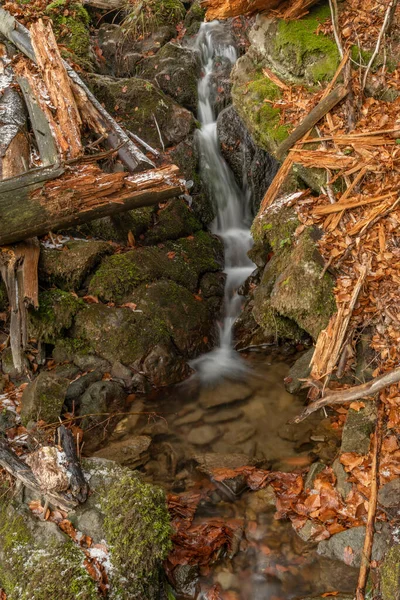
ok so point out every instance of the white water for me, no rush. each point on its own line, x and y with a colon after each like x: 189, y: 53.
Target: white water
x: 233, y: 218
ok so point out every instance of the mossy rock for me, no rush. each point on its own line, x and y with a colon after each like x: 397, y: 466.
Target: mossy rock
x: 43, y: 398
x: 34, y: 556
x: 176, y: 71
x: 117, y: 227
x: 71, y: 25
x: 300, y: 292
x: 182, y: 261
x: 148, y: 16
x: 54, y: 316
x: 138, y: 104
x: 195, y: 14
x: 119, y: 334
x: 389, y: 574
x: 68, y: 268
x: 172, y: 222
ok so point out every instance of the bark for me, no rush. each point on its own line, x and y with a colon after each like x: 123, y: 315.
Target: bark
x: 78, y: 485
x: 217, y: 9
x: 43, y: 201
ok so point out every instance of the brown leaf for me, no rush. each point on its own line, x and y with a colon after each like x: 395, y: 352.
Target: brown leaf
x: 91, y: 299
x: 348, y: 556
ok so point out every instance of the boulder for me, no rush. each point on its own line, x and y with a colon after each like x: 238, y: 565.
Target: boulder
x: 358, y: 428
x: 389, y: 494
x: 226, y: 393
x: 176, y: 71
x: 173, y: 221
x: 347, y: 545
x: 43, y: 399
x: 299, y: 371
x: 130, y: 453
x: 141, y: 107
x: 162, y: 366
x: 116, y: 228
x: 99, y: 402
x: 78, y: 387
x: 67, y: 268
x: 55, y: 315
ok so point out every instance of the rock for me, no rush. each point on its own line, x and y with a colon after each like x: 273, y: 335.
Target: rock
x: 163, y: 367
x: 71, y: 27
x: 101, y: 397
x: 365, y: 357
x: 130, y: 453
x: 357, y: 429
x: 174, y: 221
x: 210, y: 461
x: 389, y: 575
x: 67, y: 268
x: 226, y: 393
x: 182, y: 261
x: 191, y: 417
x: 7, y: 365
x: 7, y: 420
x: 194, y: 16
x: 312, y: 474
x: 220, y: 83
x: 200, y: 436
x: 262, y: 501
x: 186, y: 580
x: 176, y: 71
x: 300, y: 370
x: 43, y: 399
x: 251, y: 165
x: 119, y: 371
x: 139, y: 104
x: 343, y: 486
x: 238, y: 433
x: 213, y: 284
x: 338, y: 545
x: 116, y: 228
x: 3, y: 297
x: 389, y: 494
x: 221, y: 415
x: 55, y: 315
x: 78, y: 387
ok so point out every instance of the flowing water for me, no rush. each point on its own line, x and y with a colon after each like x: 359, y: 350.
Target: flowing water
x: 232, y: 223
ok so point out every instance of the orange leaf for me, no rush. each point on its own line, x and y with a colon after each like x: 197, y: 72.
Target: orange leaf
x: 171, y: 255
x: 91, y: 299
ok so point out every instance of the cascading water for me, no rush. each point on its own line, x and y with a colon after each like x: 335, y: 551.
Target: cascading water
x: 233, y: 219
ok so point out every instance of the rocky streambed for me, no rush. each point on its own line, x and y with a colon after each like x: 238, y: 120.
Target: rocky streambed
x: 128, y: 304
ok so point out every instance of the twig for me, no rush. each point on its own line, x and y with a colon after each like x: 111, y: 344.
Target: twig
x: 373, y: 500
x: 145, y: 145
x: 355, y: 393
x: 385, y: 26
x: 159, y: 132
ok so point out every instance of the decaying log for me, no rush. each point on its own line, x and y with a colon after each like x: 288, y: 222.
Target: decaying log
x: 106, y: 4
x: 21, y: 471
x: 317, y: 113
x: 223, y: 9
x: 128, y: 152
x: 78, y: 484
x: 82, y: 194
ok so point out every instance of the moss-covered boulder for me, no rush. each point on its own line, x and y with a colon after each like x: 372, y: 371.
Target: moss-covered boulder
x: 389, y: 575
x: 54, y: 316
x: 117, y: 227
x: 43, y: 398
x: 67, y: 268
x: 35, y: 556
x: 182, y: 261
x: 173, y: 221
x: 71, y: 26
x: 140, y: 107
x: 176, y: 71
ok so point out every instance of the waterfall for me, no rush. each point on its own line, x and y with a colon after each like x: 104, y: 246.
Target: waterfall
x: 233, y: 219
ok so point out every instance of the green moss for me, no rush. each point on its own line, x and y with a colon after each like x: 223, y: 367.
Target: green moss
x: 389, y: 574
x: 71, y: 29
x: 144, y: 17
x: 174, y: 221
x: 138, y: 531
x: 3, y: 297
x: 31, y: 569
x: 298, y: 40
x: 54, y: 316
x: 263, y: 88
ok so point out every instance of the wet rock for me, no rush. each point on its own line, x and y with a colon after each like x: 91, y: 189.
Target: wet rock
x: 176, y: 220
x: 43, y: 399
x: 261, y: 501
x: 226, y: 393
x: 358, y: 428
x: 343, y: 486
x: 389, y: 494
x: 186, y: 580
x: 194, y: 17
x: 176, y: 71
x: 299, y: 371
x: 140, y: 104
x: 312, y: 474
x: 117, y: 227
x: 210, y: 461
x: 100, y: 400
x: 67, y: 268
x: 130, y: 453
x: 163, y: 367
x: 3, y: 297
x: 221, y: 415
x: 250, y: 164
x: 213, y: 284
x: 77, y: 388
x: 119, y: 371
x: 338, y: 545
x: 200, y: 436
x: 140, y: 384
x: 220, y: 83
x: 238, y: 433
x: 192, y: 417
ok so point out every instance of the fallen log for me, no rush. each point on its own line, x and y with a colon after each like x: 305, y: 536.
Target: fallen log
x: 355, y: 393
x: 128, y: 152
x: 78, y: 484
x: 22, y: 472
x: 217, y: 9
x: 83, y: 193
x: 105, y: 4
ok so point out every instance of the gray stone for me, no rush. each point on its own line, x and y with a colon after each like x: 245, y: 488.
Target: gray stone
x: 314, y: 470
x: 101, y: 397
x: 389, y: 574
x: 120, y: 371
x: 226, y: 393
x: 43, y: 399
x: 337, y: 546
x: 186, y: 580
x: 163, y: 367
x: 213, y: 284
x: 300, y: 370
x: 130, y: 453
x: 203, y: 435
x: 343, y: 486
x: 7, y: 420
x: 389, y: 494
x: 91, y: 362
x: 358, y: 428
x: 79, y: 386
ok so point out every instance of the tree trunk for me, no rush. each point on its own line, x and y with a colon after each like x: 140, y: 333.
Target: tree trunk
x: 223, y: 9
x: 43, y: 201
